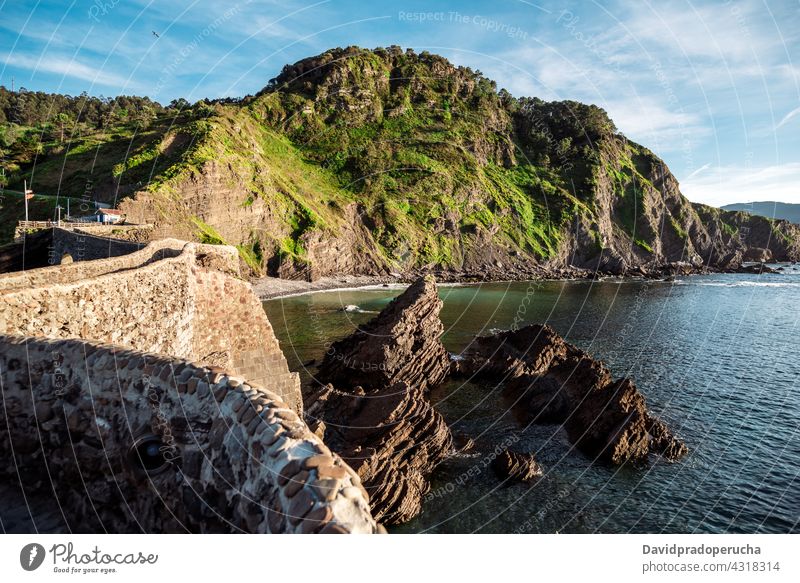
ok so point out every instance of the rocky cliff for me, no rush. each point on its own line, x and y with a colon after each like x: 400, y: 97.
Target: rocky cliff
x: 370, y: 161
x: 376, y: 413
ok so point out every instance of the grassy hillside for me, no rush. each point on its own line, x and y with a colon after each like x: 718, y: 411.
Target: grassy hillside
x: 398, y: 159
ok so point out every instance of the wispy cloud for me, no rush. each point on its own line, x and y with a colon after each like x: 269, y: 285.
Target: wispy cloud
x: 646, y: 117
x: 700, y: 170
x: 726, y: 33
x: 721, y: 185
x: 788, y: 117
x: 66, y: 67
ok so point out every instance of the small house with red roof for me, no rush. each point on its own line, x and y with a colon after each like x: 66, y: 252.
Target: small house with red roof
x: 109, y: 216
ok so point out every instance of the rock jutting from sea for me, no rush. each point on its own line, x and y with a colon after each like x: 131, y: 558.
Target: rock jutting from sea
x: 369, y: 400
x: 373, y: 409
x: 553, y: 381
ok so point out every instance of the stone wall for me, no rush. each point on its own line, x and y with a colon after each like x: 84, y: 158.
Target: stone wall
x: 127, y: 441
x: 54, y: 246
x: 82, y: 270
x: 172, y: 297
x: 244, y: 344
x: 87, y: 245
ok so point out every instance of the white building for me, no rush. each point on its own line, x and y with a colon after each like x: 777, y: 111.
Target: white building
x: 109, y: 216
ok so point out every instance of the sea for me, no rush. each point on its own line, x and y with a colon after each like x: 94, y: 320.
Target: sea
x: 717, y: 357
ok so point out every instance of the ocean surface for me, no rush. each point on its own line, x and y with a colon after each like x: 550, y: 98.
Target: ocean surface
x: 717, y: 357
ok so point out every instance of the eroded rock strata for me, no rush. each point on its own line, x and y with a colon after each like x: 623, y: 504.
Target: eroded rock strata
x: 400, y: 345
x: 374, y: 411
x: 392, y: 437
x: 552, y: 381
x: 510, y: 465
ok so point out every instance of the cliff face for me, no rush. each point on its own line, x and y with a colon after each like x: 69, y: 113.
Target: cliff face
x: 375, y: 412
x: 641, y: 219
x: 365, y: 162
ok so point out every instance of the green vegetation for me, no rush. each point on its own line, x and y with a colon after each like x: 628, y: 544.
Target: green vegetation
x: 436, y: 163
x: 728, y: 229
x: 253, y: 256
x: 680, y: 231
x: 206, y: 233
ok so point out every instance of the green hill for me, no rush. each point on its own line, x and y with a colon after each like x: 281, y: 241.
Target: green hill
x: 369, y: 161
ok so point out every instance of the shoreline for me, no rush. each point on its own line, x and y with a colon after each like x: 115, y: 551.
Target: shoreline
x: 274, y: 288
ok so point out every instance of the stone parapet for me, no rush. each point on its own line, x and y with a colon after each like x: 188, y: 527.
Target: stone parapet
x: 172, y: 297
x: 128, y: 441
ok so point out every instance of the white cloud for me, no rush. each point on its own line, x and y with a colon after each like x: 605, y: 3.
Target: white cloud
x: 650, y: 122
x: 66, y: 67
x: 700, y: 170
x: 795, y: 112
x: 722, y: 185
x: 725, y: 33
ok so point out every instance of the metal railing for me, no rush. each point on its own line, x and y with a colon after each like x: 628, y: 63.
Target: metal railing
x: 65, y: 224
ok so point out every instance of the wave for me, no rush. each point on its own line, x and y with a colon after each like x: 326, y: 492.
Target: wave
x: 353, y: 308
x: 739, y: 283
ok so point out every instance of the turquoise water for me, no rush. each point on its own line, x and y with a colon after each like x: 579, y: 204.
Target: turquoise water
x: 716, y: 357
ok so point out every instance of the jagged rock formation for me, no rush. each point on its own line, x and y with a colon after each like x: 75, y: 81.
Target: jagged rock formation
x: 392, y: 437
x: 400, y: 345
x: 375, y: 413
x: 126, y: 441
x: 511, y: 465
x: 551, y: 381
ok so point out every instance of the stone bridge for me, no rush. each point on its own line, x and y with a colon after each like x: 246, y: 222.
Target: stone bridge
x: 147, y: 392
x: 54, y: 245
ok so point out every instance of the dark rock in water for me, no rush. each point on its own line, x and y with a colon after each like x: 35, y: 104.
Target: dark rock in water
x: 463, y: 442
x: 552, y: 381
x: 392, y: 437
x: 757, y: 254
x: 378, y: 417
x: 756, y: 269
x: 541, y: 398
x: 680, y: 268
x: 516, y: 466
x: 509, y: 355
x: 401, y: 344
x: 663, y: 442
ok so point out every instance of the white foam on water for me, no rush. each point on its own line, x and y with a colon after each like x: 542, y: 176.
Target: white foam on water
x: 738, y: 283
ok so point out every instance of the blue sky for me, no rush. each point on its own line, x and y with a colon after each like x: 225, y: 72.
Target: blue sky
x: 712, y: 87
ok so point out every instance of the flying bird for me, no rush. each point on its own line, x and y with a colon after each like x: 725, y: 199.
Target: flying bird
x: 156, y: 34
